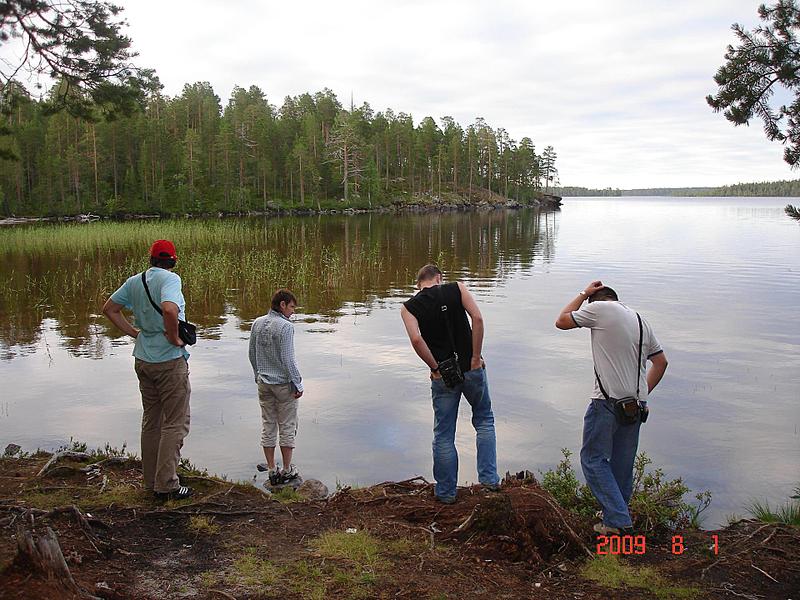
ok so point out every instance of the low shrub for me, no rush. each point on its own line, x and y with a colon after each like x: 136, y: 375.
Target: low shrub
x: 657, y: 503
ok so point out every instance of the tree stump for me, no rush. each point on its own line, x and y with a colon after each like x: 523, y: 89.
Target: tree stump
x: 44, y: 556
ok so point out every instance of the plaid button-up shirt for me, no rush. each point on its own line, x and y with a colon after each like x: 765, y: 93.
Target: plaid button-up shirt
x: 272, y: 350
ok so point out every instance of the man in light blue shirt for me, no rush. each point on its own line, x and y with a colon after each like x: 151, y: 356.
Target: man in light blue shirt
x: 161, y: 366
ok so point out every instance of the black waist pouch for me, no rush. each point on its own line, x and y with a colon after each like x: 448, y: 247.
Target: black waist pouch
x: 450, y: 371
x: 187, y: 332
x: 627, y: 411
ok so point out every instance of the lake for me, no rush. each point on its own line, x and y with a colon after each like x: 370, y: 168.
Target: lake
x: 717, y: 278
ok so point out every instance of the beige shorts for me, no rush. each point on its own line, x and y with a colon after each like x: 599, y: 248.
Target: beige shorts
x: 278, y: 414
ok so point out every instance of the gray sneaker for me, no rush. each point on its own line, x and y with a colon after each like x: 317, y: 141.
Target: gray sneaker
x: 446, y: 499
x: 603, y: 529
x: 289, y: 474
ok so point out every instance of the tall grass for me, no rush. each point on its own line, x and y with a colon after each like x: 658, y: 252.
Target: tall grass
x: 787, y: 513
x: 109, y: 237
x: 207, y: 276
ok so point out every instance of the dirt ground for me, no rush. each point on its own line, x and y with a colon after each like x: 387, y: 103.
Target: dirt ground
x: 392, y: 540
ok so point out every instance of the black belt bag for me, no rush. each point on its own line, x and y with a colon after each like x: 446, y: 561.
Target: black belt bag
x: 187, y: 332
x: 450, y: 371
x: 629, y: 410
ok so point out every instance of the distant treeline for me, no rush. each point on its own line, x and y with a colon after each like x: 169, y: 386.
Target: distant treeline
x: 582, y: 191
x: 188, y: 154
x: 790, y: 188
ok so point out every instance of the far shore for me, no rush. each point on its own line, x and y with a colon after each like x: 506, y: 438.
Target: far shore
x: 483, y: 200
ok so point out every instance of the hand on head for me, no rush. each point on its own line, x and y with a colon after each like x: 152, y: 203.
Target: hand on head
x: 593, y: 287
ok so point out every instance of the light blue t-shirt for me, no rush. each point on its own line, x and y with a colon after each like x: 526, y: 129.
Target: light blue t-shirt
x: 165, y: 286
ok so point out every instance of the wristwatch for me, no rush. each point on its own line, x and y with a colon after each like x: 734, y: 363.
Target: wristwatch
x: 436, y: 370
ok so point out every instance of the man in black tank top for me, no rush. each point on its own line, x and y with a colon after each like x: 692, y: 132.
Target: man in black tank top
x: 434, y: 342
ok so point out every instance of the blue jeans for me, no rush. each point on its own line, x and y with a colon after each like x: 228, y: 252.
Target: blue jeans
x: 445, y: 412
x: 607, y: 456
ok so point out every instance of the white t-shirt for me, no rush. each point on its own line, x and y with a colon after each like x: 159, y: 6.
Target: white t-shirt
x: 615, y: 346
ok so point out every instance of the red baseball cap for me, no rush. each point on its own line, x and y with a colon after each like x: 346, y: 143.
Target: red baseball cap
x: 163, y: 249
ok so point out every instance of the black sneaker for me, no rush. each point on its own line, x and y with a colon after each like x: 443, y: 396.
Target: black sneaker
x: 289, y: 474
x: 446, y: 499
x: 181, y: 493
x: 275, y: 477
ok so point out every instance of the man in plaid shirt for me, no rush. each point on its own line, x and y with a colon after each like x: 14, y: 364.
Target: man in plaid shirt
x: 279, y: 384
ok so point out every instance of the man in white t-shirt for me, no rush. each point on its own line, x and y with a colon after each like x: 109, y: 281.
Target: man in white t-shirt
x: 609, y: 447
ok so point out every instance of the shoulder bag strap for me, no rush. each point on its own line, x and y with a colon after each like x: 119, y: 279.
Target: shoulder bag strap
x: 149, y: 297
x: 638, y: 365
x: 639, y: 359
x: 602, y: 389
x: 443, y: 310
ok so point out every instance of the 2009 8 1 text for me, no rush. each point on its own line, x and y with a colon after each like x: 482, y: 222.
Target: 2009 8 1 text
x: 637, y: 544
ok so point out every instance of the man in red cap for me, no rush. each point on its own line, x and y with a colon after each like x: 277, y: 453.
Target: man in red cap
x: 161, y: 366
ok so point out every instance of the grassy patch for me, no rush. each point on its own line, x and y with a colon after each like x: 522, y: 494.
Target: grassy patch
x: 85, y: 498
x: 202, y: 524
x: 120, y: 495
x: 250, y: 570
x: 357, y: 562
x: 307, y: 580
x: 610, y: 572
x: 287, y: 495
x: 360, y: 548
x: 406, y: 546
x: 49, y: 499
x: 209, y: 579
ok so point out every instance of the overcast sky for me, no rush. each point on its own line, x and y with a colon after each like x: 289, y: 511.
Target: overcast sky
x: 616, y: 87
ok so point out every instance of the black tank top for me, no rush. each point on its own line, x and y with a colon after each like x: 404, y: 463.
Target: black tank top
x: 426, y: 307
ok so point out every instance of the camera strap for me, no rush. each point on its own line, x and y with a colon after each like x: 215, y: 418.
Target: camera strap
x: 149, y: 297
x: 638, y: 365
x: 446, y: 317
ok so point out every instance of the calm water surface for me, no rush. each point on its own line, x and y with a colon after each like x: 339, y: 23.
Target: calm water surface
x: 717, y: 278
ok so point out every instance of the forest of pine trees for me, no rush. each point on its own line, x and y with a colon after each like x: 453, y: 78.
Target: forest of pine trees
x: 189, y: 154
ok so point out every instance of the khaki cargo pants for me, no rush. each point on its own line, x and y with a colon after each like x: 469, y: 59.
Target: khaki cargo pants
x: 165, y: 421
x: 278, y: 414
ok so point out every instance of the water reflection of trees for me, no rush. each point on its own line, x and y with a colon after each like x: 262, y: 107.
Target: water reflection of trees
x: 332, y: 262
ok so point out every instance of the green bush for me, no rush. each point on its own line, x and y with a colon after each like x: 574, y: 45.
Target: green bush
x: 657, y: 503
x: 570, y: 493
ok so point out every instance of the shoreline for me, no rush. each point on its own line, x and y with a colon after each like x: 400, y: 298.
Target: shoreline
x: 392, y: 539
x: 420, y: 204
